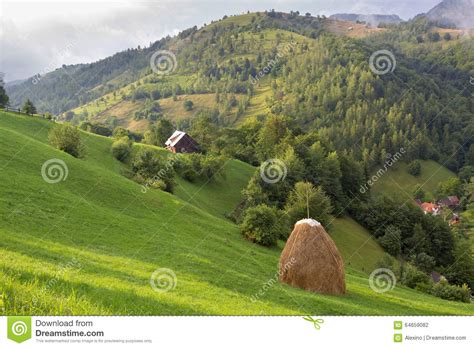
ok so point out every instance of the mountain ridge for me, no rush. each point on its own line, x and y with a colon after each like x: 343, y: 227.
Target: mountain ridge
x: 453, y: 12
x: 370, y: 19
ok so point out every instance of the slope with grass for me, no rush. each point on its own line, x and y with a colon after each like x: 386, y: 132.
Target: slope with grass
x: 359, y: 250
x: 89, y: 245
x: 397, y: 182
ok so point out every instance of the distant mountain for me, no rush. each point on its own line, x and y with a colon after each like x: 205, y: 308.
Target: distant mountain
x: 372, y: 19
x: 453, y: 12
x: 14, y: 83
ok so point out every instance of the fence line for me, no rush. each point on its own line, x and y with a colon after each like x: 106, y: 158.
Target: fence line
x: 18, y: 111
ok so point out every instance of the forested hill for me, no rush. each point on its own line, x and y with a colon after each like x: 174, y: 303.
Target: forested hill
x: 458, y: 13
x: 72, y: 85
x: 309, y: 69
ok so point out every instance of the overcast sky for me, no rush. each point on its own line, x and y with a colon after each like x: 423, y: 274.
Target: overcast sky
x: 39, y: 36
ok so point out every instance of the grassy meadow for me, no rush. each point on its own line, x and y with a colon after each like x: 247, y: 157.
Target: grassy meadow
x: 89, y: 244
x: 398, y: 181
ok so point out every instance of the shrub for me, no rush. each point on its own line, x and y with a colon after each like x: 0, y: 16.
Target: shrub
x: 385, y: 262
x: 28, y: 107
x: 391, y: 240
x: 150, y: 168
x: 414, y: 168
x: 412, y: 277
x: 155, y: 94
x: 211, y: 167
x: 451, y: 292
x: 96, y: 128
x: 160, y: 185
x: 188, y: 105
x: 140, y: 94
x: 424, y: 262
x: 67, y: 138
x: 207, y: 167
x: 120, y: 132
x: 158, y: 133
x: 259, y: 225
x: 186, y: 167
x: 121, y: 149
x: 419, y: 193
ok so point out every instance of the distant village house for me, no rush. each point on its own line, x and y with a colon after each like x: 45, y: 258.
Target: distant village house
x: 430, y: 208
x: 181, y: 142
x: 450, y: 202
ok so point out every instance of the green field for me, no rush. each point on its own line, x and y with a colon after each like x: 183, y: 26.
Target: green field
x: 397, y: 182
x: 359, y: 250
x: 89, y: 244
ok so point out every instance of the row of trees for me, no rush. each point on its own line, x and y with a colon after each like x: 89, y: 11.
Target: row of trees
x: 28, y: 107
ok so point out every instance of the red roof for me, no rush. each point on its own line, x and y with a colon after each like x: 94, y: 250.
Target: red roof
x: 429, y: 207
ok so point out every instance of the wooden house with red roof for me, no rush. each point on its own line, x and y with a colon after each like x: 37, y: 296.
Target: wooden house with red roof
x: 181, y: 142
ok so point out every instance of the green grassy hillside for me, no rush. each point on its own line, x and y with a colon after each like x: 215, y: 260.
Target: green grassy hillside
x: 397, y: 181
x: 359, y: 250
x: 89, y: 245
x: 221, y: 197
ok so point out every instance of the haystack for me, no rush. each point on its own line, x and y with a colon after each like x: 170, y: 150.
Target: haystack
x: 311, y: 261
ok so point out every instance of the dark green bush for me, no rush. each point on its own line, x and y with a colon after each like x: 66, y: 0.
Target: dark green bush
x: 451, y: 292
x: 188, y: 105
x: 67, y: 138
x: 414, y: 168
x: 120, y: 132
x: 186, y: 167
x: 412, y: 277
x: 211, y: 167
x: 259, y: 225
x: 96, y: 128
x: 150, y: 168
x: 121, y: 149
x: 197, y: 166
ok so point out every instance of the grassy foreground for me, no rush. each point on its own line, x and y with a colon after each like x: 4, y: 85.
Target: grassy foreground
x: 89, y: 244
